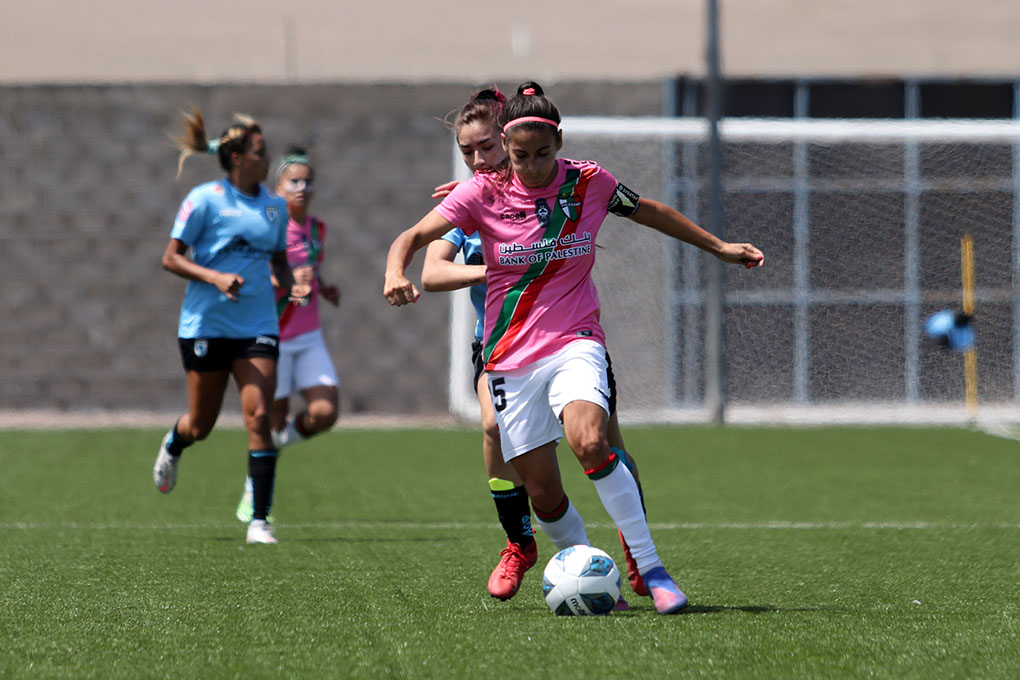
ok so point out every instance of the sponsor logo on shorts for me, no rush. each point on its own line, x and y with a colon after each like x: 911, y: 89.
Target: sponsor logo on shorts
x: 201, y: 348
x: 265, y: 340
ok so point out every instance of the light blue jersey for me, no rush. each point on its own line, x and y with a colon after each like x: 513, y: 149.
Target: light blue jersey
x: 231, y: 232
x: 471, y: 246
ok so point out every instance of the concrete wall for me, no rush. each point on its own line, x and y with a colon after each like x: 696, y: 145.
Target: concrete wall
x: 88, y: 195
x: 466, y: 40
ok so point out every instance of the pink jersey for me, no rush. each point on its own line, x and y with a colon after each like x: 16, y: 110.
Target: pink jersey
x: 539, y: 249
x: 305, y: 245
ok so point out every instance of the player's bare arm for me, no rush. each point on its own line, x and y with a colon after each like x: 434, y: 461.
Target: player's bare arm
x: 440, y: 273
x: 176, y: 261
x: 671, y: 222
x: 397, y: 289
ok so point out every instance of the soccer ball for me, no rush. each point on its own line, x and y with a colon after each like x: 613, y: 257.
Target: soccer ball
x: 581, y: 581
x: 951, y: 329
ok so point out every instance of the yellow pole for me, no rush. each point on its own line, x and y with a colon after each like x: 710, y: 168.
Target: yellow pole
x: 970, y: 356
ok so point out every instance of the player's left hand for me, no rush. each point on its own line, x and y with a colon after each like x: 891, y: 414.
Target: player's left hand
x: 742, y: 253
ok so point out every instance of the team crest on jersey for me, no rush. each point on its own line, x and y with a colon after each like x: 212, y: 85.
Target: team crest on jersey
x: 271, y: 212
x: 570, y: 205
x: 543, y: 212
x: 201, y: 348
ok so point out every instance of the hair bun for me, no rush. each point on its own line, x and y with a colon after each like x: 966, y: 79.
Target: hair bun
x: 490, y: 94
x: 530, y: 89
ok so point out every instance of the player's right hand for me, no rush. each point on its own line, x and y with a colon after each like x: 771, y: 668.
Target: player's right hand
x: 230, y: 285
x: 398, y: 291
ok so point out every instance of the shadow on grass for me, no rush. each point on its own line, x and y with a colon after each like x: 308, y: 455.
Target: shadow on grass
x: 641, y: 608
x: 750, y: 609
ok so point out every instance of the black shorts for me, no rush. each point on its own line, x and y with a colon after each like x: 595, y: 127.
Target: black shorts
x: 611, y: 379
x: 476, y: 360
x: 219, y: 354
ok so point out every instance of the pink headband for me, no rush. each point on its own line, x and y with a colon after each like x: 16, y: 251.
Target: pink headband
x: 530, y: 119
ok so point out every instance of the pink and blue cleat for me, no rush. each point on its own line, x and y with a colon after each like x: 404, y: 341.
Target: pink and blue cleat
x: 667, y: 597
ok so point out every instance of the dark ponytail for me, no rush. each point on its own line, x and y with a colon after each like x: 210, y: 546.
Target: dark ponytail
x: 485, y: 105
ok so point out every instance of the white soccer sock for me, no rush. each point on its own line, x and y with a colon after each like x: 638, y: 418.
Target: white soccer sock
x: 619, y: 494
x: 567, y: 530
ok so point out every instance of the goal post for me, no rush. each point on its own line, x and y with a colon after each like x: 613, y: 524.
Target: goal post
x: 860, y: 222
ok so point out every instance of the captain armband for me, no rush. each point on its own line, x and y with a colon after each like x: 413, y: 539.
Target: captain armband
x: 623, y: 202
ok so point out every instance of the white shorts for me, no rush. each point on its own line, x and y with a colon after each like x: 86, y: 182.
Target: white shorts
x: 304, y: 362
x: 529, y: 400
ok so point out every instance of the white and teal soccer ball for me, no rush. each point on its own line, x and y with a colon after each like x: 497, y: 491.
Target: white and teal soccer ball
x: 581, y: 581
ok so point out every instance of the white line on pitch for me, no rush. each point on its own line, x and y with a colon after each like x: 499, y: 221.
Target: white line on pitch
x: 467, y: 526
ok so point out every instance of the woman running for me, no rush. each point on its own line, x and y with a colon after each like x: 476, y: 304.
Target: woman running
x: 234, y: 229
x: 304, y: 366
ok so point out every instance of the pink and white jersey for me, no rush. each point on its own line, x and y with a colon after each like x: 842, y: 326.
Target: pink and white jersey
x: 539, y: 249
x: 305, y: 246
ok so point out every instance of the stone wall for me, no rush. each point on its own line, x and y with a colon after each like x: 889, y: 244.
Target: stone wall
x: 87, y: 198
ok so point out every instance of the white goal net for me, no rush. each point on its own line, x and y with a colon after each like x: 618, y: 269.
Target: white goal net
x: 860, y: 223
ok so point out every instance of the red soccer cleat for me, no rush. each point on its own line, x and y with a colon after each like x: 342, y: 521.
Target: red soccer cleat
x: 637, y: 583
x: 507, y: 576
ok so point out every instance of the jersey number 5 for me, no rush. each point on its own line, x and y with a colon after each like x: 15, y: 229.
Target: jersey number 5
x: 498, y: 394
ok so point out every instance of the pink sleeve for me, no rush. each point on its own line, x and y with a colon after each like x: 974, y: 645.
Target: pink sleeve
x: 460, y: 207
x: 604, y: 184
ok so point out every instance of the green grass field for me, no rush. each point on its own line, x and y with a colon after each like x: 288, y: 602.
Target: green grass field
x: 806, y: 553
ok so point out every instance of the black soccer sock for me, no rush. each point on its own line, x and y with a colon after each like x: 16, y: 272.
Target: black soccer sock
x: 175, y: 447
x: 262, y: 470
x: 513, y: 510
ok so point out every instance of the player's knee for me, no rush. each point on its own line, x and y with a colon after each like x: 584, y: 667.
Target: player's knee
x: 322, y: 415
x: 591, y: 450
x: 258, y: 420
